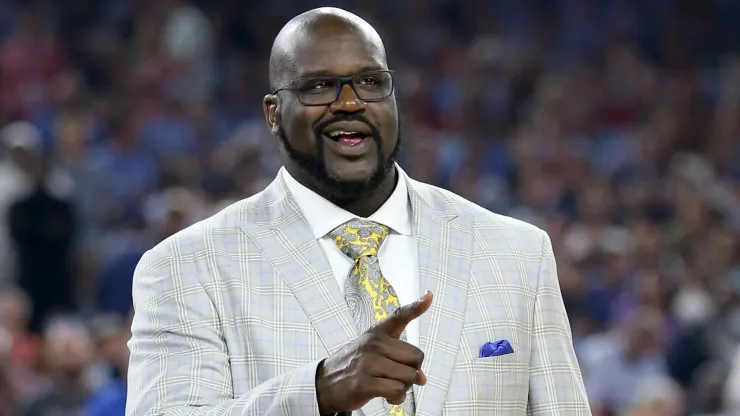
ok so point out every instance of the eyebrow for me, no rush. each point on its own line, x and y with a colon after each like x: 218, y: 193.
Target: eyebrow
x: 326, y: 73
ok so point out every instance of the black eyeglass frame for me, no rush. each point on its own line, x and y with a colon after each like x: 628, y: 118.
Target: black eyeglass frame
x: 342, y: 81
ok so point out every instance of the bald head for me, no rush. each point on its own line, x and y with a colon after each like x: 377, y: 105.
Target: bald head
x: 305, y: 33
x: 342, y: 81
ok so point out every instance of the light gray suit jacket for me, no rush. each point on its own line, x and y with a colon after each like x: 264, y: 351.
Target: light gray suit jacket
x: 233, y: 315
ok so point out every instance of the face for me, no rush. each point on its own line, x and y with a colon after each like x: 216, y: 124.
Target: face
x: 339, y: 168
x: 69, y: 349
x: 14, y: 311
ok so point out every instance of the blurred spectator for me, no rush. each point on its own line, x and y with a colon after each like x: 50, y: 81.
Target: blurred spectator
x: 187, y: 37
x: 110, y: 399
x: 21, y: 143
x: 74, y: 132
x: 732, y: 389
x: 127, y: 170
x: 115, y: 279
x: 68, y: 352
x: 169, y: 133
x: 42, y: 226
x: 657, y: 397
x: 15, y: 317
x: 614, y: 370
x: 18, y: 382
x: 8, y: 395
x: 33, y: 62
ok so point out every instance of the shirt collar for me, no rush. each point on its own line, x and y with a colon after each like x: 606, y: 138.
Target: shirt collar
x: 323, y: 216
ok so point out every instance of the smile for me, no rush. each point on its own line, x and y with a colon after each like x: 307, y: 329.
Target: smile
x: 351, y: 144
x: 347, y: 138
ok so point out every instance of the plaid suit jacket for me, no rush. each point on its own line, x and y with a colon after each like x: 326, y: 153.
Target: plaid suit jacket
x: 233, y: 315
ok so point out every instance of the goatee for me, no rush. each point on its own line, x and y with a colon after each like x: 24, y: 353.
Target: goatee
x: 334, y: 187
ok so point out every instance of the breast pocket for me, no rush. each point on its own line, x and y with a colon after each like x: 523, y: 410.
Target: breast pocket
x: 498, y: 383
x: 499, y: 363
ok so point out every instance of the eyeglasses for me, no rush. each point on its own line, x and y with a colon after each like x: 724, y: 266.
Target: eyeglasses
x: 369, y: 86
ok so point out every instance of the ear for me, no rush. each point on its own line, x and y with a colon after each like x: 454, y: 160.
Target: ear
x: 271, y: 106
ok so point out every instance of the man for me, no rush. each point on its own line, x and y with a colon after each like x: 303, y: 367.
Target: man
x: 287, y: 303
x: 42, y: 227
x: 617, y: 363
x: 22, y: 147
x: 68, y: 352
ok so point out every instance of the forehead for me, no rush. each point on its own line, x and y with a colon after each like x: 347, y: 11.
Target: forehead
x: 337, y: 54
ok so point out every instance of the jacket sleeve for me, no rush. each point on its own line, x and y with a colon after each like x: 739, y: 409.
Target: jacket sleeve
x: 179, y: 363
x: 556, y: 385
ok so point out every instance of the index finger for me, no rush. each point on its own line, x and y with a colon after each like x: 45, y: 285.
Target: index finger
x: 396, y: 323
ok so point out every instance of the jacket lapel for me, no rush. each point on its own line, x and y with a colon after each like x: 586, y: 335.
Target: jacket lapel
x: 283, y: 235
x: 445, y: 244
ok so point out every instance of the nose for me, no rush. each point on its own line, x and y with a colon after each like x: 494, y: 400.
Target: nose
x: 347, y: 101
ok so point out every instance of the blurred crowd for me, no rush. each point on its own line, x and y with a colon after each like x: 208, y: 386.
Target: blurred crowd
x: 612, y: 124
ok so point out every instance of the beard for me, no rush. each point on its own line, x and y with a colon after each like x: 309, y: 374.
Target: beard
x: 336, y: 188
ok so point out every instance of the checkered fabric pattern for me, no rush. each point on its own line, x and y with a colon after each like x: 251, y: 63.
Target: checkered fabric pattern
x: 233, y: 315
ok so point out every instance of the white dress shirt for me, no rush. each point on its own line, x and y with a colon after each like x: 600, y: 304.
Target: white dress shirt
x: 398, y: 255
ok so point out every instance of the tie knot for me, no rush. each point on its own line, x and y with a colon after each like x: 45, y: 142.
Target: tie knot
x: 359, y: 238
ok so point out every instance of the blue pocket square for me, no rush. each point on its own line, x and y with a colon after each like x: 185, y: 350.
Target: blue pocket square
x: 493, y: 349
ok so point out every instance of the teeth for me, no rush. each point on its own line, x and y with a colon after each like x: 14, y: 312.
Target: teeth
x: 342, y: 132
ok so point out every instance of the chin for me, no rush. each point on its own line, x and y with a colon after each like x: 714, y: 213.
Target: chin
x: 356, y: 184
x: 340, y: 192
x: 363, y: 170
x: 346, y: 183
x: 343, y: 185
x: 352, y: 177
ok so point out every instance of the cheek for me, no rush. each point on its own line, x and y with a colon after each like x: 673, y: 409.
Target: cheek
x: 298, y: 127
x: 389, y: 129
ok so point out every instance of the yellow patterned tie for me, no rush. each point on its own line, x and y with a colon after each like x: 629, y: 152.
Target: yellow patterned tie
x: 370, y: 297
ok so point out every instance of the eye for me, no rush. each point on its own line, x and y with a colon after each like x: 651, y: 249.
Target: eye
x: 318, y: 85
x: 369, y: 80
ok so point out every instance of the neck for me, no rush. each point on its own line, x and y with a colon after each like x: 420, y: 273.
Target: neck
x: 362, y: 205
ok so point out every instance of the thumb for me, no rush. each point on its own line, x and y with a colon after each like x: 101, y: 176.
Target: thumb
x: 394, y: 324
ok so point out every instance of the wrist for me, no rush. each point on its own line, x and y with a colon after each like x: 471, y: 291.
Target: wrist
x: 324, y: 408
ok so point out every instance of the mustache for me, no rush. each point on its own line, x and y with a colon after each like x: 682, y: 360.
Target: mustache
x: 319, y: 127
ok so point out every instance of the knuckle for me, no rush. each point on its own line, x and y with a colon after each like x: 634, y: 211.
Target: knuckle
x: 374, y: 340
x: 367, y: 343
x: 370, y: 345
x: 399, y: 394
x: 396, y: 393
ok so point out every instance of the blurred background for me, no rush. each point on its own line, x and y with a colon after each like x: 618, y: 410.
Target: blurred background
x: 614, y: 125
